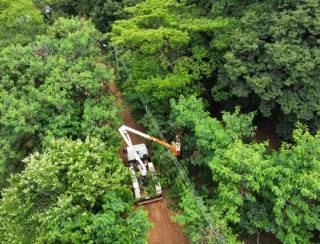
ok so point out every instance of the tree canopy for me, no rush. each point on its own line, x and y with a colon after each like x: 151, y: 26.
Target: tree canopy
x: 273, y: 57
x: 256, y: 189
x: 166, y: 48
x: 73, y: 189
x: 209, y: 71
x: 55, y: 86
x: 73, y: 192
x: 102, y: 12
x: 20, y: 22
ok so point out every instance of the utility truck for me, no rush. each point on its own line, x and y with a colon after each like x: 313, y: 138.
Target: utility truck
x: 145, y: 184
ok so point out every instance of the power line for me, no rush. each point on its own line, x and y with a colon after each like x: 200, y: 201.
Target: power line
x: 199, y: 201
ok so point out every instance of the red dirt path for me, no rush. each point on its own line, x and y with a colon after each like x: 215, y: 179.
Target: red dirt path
x: 164, y: 230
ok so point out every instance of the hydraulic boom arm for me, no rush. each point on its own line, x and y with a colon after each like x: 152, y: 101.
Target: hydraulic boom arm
x: 175, y: 147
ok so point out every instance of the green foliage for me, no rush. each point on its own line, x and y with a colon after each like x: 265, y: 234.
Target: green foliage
x: 270, y: 64
x: 295, y: 189
x: 206, y: 133
x: 274, y: 58
x: 196, y: 226
x: 165, y: 46
x: 54, y: 87
x: 102, y: 12
x: 20, y: 22
x: 252, y: 188
x: 263, y: 55
x: 74, y: 192
x: 239, y: 173
x: 149, y: 185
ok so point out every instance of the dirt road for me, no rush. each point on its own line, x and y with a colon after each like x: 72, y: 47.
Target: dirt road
x: 164, y: 230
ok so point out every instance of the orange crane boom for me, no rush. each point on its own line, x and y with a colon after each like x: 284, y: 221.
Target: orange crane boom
x: 175, y: 147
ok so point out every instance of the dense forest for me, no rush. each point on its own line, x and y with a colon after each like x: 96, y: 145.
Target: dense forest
x: 210, y: 71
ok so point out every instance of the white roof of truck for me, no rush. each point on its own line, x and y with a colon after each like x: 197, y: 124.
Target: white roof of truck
x: 141, y: 149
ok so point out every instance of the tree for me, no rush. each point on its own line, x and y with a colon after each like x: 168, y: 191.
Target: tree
x: 20, y: 22
x: 102, y: 12
x: 54, y: 87
x: 196, y: 226
x: 74, y: 192
x: 273, y: 60
x: 294, y: 188
x: 165, y: 50
x: 204, y: 134
x: 253, y: 189
x: 233, y: 185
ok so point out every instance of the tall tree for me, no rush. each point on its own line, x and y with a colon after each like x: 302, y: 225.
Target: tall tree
x: 102, y: 12
x: 196, y: 226
x: 273, y: 61
x: 166, y: 47
x: 294, y: 192
x: 252, y: 189
x: 20, y: 22
x: 74, y: 192
x: 55, y: 86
